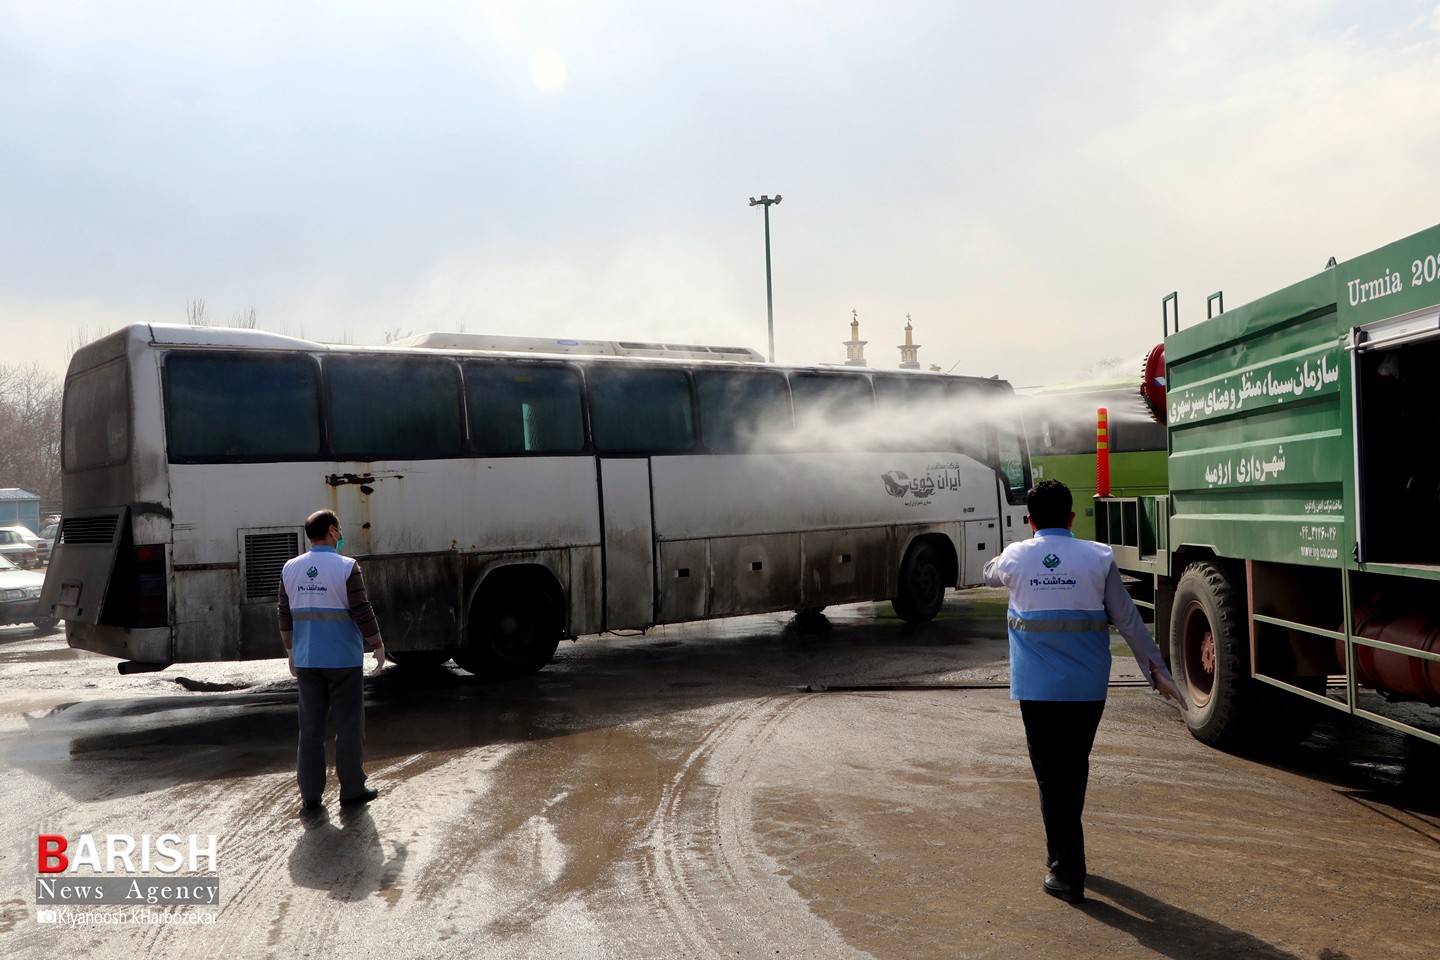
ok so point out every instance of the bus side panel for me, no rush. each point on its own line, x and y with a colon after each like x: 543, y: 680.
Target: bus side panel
x: 754, y: 574
x: 719, y: 495
x: 208, y: 616
x: 845, y: 565
x: 418, y: 599
x: 682, y: 581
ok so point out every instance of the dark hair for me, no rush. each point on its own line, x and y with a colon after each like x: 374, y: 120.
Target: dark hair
x: 1050, y: 504
x: 319, y: 523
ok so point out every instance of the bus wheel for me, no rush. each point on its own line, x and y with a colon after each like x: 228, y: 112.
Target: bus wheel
x: 1208, y: 655
x: 418, y: 659
x: 922, y: 585
x: 513, y: 631
x: 45, y: 624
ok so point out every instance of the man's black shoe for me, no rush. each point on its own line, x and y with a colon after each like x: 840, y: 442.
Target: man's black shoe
x: 1069, y: 892
x: 309, y: 806
x: 360, y: 799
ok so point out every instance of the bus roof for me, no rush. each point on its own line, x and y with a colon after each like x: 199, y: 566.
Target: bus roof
x: 181, y: 335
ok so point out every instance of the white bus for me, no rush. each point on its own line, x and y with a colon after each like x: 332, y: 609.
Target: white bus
x: 500, y: 500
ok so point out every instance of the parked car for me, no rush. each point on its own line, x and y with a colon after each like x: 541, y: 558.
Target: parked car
x: 18, y: 546
x: 49, y: 532
x: 20, y: 597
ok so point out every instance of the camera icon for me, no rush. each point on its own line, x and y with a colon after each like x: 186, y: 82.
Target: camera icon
x: 47, y: 916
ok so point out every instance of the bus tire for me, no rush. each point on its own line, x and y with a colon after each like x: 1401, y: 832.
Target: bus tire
x: 513, y: 631
x: 45, y: 624
x: 921, y: 590
x: 1209, y: 657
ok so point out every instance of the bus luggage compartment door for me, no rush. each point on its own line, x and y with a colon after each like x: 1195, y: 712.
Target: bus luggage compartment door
x: 629, y: 527
x: 82, y: 563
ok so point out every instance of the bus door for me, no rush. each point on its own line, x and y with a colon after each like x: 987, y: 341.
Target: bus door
x: 635, y: 413
x: 629, y: 542
x: 1012, y: 480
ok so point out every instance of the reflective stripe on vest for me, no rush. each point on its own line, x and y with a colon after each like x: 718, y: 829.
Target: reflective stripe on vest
x: 1057, y: 626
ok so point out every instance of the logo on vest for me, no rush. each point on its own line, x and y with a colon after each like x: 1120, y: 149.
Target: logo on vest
x: 312, y: 573
x: 1051, y: 562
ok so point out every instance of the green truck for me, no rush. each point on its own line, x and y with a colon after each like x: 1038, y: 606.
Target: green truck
x: 1297, y: 551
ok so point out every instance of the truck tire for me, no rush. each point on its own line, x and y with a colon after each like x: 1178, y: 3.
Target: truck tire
x: 513, y: 631
x: 922, y: 585
x: 1209, y: 656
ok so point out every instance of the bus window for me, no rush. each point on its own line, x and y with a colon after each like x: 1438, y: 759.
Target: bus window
x: 393, y: 408
x: 743, y: 411
x: 1134, y: 434
x: 915, y: 413
x: 97, y: 417
x: 227, y: 407
x: 825, y: 403
x: 524, y: 408
x: 634, y: 410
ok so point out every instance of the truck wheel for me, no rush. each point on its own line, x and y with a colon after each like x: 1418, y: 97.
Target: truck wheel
x: 922, y: 585
x: 1208, y: 655
x: 513, y: 632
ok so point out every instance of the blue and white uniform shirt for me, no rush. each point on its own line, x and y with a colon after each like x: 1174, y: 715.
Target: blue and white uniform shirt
x: 325, y: 634
x: 1064, y: 594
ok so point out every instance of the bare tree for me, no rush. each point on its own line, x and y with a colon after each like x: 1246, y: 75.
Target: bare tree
x: 30, y: 429
x: 195, y: 313
x: 196, y: 316
x: 1105, y: 369
x: 84, y: 335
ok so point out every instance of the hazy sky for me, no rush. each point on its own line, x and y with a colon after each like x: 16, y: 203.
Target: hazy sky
x: 1027, y: 180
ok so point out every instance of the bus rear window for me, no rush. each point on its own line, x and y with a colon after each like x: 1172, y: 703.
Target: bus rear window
x: 97, y: 417
x: 394, y: 408
x: 220, y: 407
x: 523, y: 408
x: 633, y: 411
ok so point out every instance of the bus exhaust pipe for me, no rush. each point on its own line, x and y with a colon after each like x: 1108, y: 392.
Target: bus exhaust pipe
x: 127, y: 667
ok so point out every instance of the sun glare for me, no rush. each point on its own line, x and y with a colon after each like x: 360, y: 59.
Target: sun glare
x: 547, y: 69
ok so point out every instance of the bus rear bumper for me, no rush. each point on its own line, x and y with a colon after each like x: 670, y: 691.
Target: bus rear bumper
x: 145, y: 645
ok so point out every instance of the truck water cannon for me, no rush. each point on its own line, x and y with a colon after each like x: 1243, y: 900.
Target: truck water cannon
x: 1152, y: 386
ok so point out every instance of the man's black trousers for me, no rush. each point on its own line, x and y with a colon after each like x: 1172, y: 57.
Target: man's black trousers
x: 1060, y: 735
x: 340, y: 692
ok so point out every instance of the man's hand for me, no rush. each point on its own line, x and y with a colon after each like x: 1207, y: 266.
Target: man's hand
x: 379, y: 659
x: 1163, y: 682
x: 290, y: 662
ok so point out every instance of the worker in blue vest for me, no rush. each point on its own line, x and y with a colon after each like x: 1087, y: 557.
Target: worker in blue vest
x: 327, y: 624
x: 1064, y: 595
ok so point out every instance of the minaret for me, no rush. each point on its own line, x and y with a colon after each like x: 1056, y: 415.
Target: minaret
x: 855, y: 347
x: 910, y: 350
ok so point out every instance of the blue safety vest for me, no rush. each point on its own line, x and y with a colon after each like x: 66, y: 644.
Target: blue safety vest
x: 1059, y: 630
x: 324, y: 636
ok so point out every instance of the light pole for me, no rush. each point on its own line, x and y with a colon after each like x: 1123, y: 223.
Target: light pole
x: 769, y: 293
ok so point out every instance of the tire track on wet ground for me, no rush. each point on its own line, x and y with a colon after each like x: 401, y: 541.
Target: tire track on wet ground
x: 702, y: 871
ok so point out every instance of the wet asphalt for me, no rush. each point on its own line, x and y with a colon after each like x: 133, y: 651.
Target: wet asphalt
x: 756, y: 787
